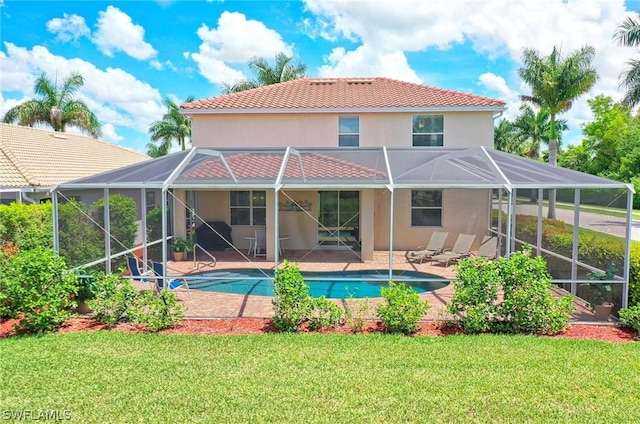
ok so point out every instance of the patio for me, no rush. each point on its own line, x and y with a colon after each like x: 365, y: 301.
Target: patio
x: 207, y: 304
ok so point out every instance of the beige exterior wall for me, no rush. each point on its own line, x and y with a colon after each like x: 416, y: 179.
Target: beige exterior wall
x: 462, y: 129
x: 464, y: 211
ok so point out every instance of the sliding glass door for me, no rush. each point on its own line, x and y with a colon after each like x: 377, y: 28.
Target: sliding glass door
x: 338, y: 218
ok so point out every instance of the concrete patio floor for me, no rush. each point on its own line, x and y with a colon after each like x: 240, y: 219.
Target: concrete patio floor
x: 208, y: 304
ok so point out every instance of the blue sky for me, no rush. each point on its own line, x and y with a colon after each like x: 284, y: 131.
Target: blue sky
x: 134, y: 53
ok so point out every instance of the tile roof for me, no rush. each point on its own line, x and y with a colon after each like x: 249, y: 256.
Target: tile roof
x: 267, y: 166
x: 32, y: 157
x: 342, y: 93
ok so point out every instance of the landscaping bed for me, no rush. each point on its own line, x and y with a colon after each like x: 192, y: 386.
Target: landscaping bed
x: 255, y: 326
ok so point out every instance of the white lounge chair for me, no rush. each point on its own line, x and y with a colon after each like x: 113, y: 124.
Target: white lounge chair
x: 435, y: 246
x: 489, y: 247
x: 460, y: 249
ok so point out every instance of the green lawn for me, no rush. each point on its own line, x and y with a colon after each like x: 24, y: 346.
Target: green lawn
x: 127, y: 378
x: 598, y: 210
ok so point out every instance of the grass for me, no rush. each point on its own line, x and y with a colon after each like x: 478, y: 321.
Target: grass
x: 127, y: 378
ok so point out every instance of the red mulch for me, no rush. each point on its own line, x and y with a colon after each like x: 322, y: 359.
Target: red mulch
x: 221, y: 326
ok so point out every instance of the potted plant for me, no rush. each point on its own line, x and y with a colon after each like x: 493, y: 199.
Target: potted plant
x: 87, y: 287
x: 181, y: 247
x: 599, y: 304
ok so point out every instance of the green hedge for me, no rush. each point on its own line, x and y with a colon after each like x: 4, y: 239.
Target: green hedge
x: 596, y: 251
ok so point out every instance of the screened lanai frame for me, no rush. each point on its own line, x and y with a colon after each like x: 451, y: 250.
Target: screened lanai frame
x: 350, y: 169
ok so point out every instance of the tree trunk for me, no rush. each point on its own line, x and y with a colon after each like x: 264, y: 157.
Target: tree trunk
x: 553, y: 160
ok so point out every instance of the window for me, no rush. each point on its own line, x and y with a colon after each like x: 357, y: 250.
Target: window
x: 428, y: 130
x: 348, y: 131
x: 248, y: 207
x: 426, y: 208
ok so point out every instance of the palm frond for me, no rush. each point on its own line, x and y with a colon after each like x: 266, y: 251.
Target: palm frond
x: 628, y: 32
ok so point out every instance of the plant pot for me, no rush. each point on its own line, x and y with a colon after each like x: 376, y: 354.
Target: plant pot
x: 178, y: 256
x: 603, y: 311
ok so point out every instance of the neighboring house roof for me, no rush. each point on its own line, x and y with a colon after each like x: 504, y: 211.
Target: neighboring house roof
x: 32, y: 157
x: 342, y: 94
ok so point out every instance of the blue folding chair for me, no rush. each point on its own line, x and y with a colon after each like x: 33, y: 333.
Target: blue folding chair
x: 174, y: 283
x: 134, y: 269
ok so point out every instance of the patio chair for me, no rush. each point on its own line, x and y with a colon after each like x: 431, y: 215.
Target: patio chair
x: 174, y: 283
x: 133, y: 264
x: 435, y: 246
x: 260, y: 246
x: 460, y: 249
x: 489, y: 247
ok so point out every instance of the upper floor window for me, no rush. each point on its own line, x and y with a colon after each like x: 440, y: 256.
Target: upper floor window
x: 348, y: 131
x: 248, y: 207
x: 428, y: 130
x: 426, y: 208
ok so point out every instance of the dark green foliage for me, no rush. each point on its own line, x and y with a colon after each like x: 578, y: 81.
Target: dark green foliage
x: 631, y: 316
x: 402, y: 309
x: 527, y: 305
x: 37, y: 284
x: 156, y: 311
x: 112, y: 300
x: 27, y: 225
x: 122, y: 216
x: 291, y: 305
x: 324, y: 313
x: 80, y: 239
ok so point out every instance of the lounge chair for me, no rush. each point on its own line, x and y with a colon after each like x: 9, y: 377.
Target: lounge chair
x: 435, y: 246
x: 489, y: 247
x: 460, y: 249
x: 174, y: 283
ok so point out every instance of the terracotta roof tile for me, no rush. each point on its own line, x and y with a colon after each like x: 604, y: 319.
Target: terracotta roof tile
x: 343, y: 93
x: 265, y: 165
x: 33, y: 157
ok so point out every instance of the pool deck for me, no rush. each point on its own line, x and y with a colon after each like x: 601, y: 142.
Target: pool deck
x: 206, y: 304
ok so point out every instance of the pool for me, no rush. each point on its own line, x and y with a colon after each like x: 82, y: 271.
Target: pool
x: 333, y: 285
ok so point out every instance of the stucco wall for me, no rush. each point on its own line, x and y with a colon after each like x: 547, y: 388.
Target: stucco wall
x: 462, y: 129
x: 464, y: 211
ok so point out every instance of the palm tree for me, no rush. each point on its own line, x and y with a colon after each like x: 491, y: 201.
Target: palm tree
x: 628, y: 34
x: 283, y: 70
x: 174, y: 126
x: 57, y: 108
x: 531, y: 131
x: 555, y: 83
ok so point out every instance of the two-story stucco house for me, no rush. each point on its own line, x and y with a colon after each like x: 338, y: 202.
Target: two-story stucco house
x: 354, y: 114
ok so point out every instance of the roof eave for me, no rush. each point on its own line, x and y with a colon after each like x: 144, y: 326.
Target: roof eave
x: 411, y: 109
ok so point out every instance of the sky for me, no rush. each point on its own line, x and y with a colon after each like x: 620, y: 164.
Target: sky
x: 133, y: 54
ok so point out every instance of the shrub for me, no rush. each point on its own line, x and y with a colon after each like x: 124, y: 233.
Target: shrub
x: 37, y: 286
x: 156, y: 311
x: 291, y: 305
x: 631, y: 317
x: 80, y: 238
x: 324, y: 313
x: 27, y: 225
x: 476, y: 294
x: 355, y: 312
x: 527, y: 305
x: 402, y: 310
x: 112, y: 300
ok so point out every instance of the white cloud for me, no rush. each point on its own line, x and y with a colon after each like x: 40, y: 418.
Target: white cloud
x: 136, y: 106
x: 156, y: 64
x: 499, y: 29
x: 117, y: 32
x: 69, y: 27
x: 109, y: 134
x: 234, y: 41
x: 365, y: 61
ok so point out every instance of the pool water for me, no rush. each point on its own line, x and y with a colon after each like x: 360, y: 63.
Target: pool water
x: 332, y: 285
